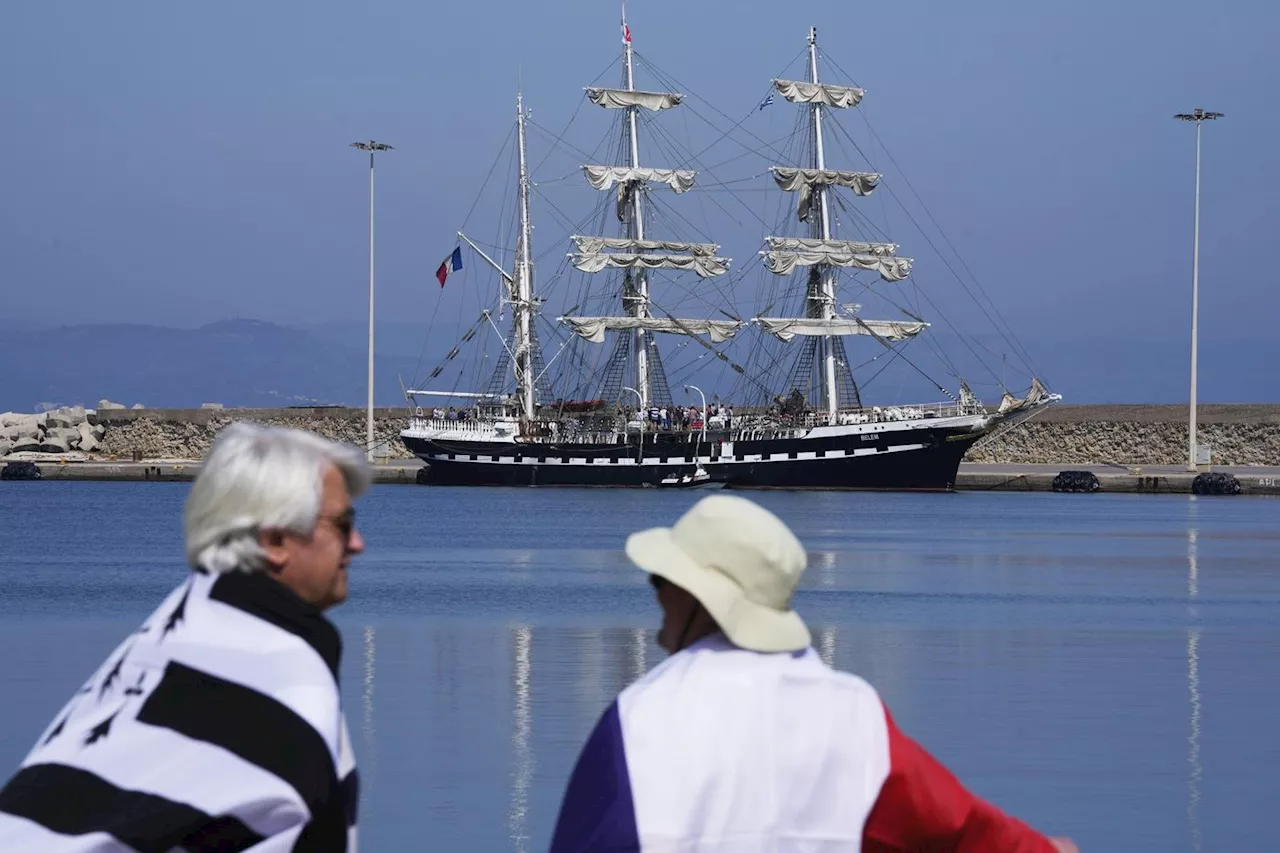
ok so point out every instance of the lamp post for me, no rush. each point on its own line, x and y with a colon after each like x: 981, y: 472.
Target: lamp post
x: 371, y: 147
x: 704, y: 408
x: 1199, y: 116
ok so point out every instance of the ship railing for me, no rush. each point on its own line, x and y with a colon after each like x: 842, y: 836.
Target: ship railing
x: 471, y: 427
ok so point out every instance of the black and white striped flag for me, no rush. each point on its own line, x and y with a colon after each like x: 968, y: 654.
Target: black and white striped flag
x: 216, y: 726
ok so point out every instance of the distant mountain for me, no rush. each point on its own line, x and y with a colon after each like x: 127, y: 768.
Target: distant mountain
x: 253, y: 363
x: 233, y: 362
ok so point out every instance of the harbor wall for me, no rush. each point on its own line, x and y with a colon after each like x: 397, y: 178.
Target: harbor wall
x: 1244, y: 434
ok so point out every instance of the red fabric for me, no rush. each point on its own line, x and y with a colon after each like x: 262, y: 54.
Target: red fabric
x: 442, y: 272
x: 923, y: 808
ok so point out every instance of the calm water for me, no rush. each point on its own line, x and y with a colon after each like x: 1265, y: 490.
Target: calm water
x: 1103, y: 666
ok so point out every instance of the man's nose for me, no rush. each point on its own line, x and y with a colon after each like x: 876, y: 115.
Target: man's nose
x: 355, y: 544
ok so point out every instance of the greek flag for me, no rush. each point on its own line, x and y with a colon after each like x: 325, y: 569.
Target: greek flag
x: 766, y: 102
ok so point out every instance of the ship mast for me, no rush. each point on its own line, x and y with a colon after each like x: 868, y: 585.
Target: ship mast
x: 636, y: 295
x: 522, y: 295
x: 822, y: 303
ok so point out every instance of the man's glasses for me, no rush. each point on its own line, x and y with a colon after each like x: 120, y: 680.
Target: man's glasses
x: 344, y: 523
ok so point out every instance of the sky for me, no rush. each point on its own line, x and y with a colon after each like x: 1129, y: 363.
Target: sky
x: 177, y: 164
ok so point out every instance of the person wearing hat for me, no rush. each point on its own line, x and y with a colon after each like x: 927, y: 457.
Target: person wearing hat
x: 744, y: 741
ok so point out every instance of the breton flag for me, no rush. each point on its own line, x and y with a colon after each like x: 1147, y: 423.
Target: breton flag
x: 720, y: 748
x: 453, y: 263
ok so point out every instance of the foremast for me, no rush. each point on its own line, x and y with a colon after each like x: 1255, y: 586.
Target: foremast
x: 823, y: 254
x: 636, y: 253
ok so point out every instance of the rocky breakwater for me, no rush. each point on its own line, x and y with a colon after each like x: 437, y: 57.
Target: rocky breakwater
x: 187, y: 434
x: 57, y: 432
x: 1135, y: 435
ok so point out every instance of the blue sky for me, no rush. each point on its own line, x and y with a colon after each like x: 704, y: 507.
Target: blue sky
x: 181, y: 163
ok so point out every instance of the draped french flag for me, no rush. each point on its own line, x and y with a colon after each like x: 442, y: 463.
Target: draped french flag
x: 453, y: 263
x: 721, y: 749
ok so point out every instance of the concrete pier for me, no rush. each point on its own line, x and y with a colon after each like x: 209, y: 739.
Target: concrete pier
x: 1155, y: 479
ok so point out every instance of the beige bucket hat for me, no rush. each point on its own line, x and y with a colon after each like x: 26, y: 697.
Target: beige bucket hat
x: 740, y: 561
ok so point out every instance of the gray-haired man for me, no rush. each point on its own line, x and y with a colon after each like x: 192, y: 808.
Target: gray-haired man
x: 217, y: 725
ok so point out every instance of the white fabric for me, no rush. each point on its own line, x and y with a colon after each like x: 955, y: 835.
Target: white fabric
x: 219, y: 641
x: 591, y: 245
x: 593, y: 328
x: 786, y: 328
x: 740, y: 561
x: 800, y: 92
x: 804, y: 180
x: 794, y: 244
x: 890, y: 269
x: 621, y: 98
x: 604, y: 177
x: 703, y: 265
x: 732, y: 751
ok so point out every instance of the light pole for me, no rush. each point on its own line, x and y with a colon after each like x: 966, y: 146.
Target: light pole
x: 704, y: 408
x: 1199, y: 117
x: 371, y: 147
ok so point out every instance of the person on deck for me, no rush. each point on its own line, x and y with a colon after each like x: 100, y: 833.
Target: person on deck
x: 744, y: 740
x: 218, y: 724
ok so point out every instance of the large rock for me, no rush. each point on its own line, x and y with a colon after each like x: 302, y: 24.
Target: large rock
x: 52, y: 443
x: 88, y: 444
x: 68, y: 435
x: 26, y: 426
x: 8, y: 419
x: 26, y: 445
x: 5, y: 444
x: 138, y: 406
x: 107, y: 404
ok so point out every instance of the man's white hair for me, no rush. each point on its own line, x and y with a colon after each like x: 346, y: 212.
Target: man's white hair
x: 261, y: 478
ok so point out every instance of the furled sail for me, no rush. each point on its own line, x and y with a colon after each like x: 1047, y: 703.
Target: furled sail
x: 796, y: 244
x: 837, y: 253
x: 786, y: 328
x: 593, y: 328
x: 604, y: 177
x: 593, y: 245
x: 804, y: 180
x: 800, y: 92
x: 705, y: 266
x: 618, y: 99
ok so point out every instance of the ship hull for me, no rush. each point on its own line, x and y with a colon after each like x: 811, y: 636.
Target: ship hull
x: 917, y: 459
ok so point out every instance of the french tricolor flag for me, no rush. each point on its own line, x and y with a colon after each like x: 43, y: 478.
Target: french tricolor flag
x: 721, y: 749
x: 453, y: 263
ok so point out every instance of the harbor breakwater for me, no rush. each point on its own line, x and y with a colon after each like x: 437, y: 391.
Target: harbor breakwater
x: 1128, y: 435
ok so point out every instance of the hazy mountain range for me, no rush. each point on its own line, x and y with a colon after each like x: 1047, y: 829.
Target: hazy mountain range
x: 254, y: 363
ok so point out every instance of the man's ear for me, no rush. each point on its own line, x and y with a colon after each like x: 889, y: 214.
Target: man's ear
x: 273, y: 547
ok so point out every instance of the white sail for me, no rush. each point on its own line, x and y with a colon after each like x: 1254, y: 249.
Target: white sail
x: 890, y: 268
x: 804, y: 180
x: 618, y: 99
x: 705, y: 266
x: 800, y: 92
x: 592, y: 245
x: 786, y: 328
x: 604, y: 177
x: 593, y: 328
x: 796, y: 244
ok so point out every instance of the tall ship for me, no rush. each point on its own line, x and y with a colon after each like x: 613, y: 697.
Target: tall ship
x: 595, y: 407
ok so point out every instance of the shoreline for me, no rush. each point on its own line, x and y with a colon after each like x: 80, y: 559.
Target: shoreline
x: 972, y: 476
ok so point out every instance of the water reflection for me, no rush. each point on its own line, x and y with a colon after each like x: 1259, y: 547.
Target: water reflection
x: 369, y: 729
x: 521, y: 743
x: 1193, y: 752
x: 825, y: 644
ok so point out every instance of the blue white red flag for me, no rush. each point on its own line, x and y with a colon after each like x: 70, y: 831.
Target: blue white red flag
x: 722, y: 749
x: 453, y: 263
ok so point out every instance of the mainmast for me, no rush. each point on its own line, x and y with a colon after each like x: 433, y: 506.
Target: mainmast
x: 822, y: 303
x: 824, y: 254
x: 636, y: 293
x: 522, y: 295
